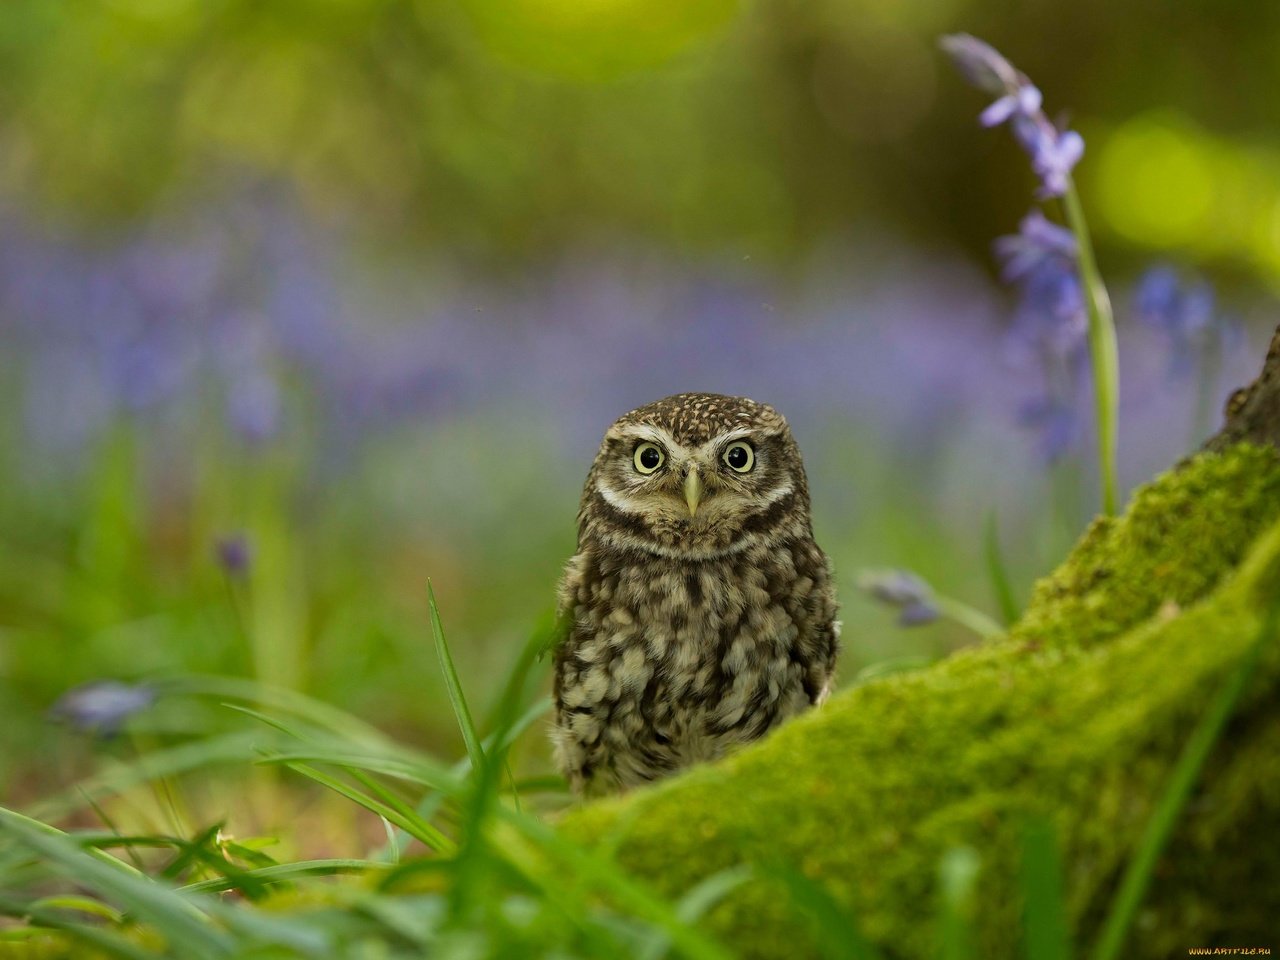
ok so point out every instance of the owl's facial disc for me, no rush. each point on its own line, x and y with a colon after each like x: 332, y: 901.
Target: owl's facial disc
x: 697, y: 497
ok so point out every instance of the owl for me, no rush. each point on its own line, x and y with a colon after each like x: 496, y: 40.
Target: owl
x: 700, y: 611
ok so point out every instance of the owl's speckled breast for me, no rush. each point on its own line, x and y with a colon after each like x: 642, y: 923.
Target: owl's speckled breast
x: 670, y: 663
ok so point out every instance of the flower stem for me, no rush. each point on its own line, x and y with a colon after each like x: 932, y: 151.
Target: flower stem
x: 969, y: 617
x: 1102, y: 348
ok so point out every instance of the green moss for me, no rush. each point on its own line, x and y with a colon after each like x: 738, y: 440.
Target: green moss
x: 1181, y: 533
x: 1077, y: 716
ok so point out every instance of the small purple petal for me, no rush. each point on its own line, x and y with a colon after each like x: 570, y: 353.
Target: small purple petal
x: 998, y: 112
x: 1185, y: 313
x: 103, y: 706
x: 234, y: 554
x: 918, y: 614
x: 898, y: 588
x: 1025, y: 101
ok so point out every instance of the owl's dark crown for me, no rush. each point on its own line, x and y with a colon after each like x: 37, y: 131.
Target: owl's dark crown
x: 697, y: 417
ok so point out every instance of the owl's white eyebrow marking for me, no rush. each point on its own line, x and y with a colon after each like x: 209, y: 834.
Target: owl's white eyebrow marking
x: 646, y: 431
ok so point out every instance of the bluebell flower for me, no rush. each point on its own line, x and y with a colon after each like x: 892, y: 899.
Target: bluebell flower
x: 1053, y: 152
x: 234, y: 554
x: 1039, y: 241
x: 1057, y: 421
x: 102, y: 707
x: 1050, y: 326
x: 1025, y: 102
x: 1186, y: 311
x: 904, y: 590
x: 253, y: 406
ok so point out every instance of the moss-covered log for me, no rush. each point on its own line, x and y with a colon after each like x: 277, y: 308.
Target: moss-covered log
x: 1077, y: 716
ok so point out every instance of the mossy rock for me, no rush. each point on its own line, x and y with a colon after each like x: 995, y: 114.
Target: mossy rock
x: 1076, y: 717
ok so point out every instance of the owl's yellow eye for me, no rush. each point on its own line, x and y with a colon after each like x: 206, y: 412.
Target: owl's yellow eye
x: 649, y: 457
x: 740, y: 457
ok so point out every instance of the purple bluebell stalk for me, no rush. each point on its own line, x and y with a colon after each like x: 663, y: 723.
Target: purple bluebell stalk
x: 1053, y: 152
x: 1050, y: 325
x: 902, y: 589
x: 101, y: 708
x: 1198, y: 333
x: 1185, y: 312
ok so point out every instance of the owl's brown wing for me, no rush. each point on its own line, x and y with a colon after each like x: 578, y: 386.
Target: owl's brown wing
x: 814, y: 613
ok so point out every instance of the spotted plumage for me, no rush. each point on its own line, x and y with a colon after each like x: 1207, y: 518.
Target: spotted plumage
x: 702, y: 612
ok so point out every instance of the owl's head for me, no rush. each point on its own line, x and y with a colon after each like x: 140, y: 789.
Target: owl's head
x: 696, y: 475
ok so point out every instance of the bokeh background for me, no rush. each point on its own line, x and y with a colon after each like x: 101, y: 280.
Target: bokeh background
x: 302, y: 304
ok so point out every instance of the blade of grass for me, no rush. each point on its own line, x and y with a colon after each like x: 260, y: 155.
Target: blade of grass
x: 418, y: 829
x: 88, y: 905
x: 299, y: 705
x: 180, y: 919
x: 233, y: 748
x: 454, y: 686
x: 473, y: 851
x: 999, y: 572
x: 91, y: 934
x: 1137, y: 876
x: 696, y: 902
x: 628, y: 891
x: 837, y: 931
x: 287, y: 872
x: 957, y: 875
x: 1044, y: 902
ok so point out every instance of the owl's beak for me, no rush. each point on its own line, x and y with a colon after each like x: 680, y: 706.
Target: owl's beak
x: 693, y: 491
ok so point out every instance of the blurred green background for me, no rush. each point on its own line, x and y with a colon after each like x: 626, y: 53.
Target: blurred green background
x: 302, y: 304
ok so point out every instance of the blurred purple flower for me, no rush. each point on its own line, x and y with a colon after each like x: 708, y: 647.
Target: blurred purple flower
x: 234, y: 554
x: 1053, y: 152
x: 1024, y: 102
x: 1050, y: 325
x: 904, y: 590
x: 253, y: 406
x: 1184, y: 311
x: 102, y: 707
x: 1039, y: 240
x: 1056, y: 419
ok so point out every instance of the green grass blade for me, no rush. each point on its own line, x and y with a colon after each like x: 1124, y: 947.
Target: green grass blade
x: 454, y: 685
x: 81, y: 904
x: 999, y: 572
x: 232, y: 748
x: 1045, y: 909
x: 92, y: 934
x: 695, y: 903
x: 262, y: 695
x: 629, y: 892
x: 180, y: 919
x: 288, y: 872
x: 418, y: 829
x: 957, y: 877
x: 1137, y: 876
x: 837, y: 932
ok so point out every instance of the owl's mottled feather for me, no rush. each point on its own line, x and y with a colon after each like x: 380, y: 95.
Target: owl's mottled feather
x: 696, y: 624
